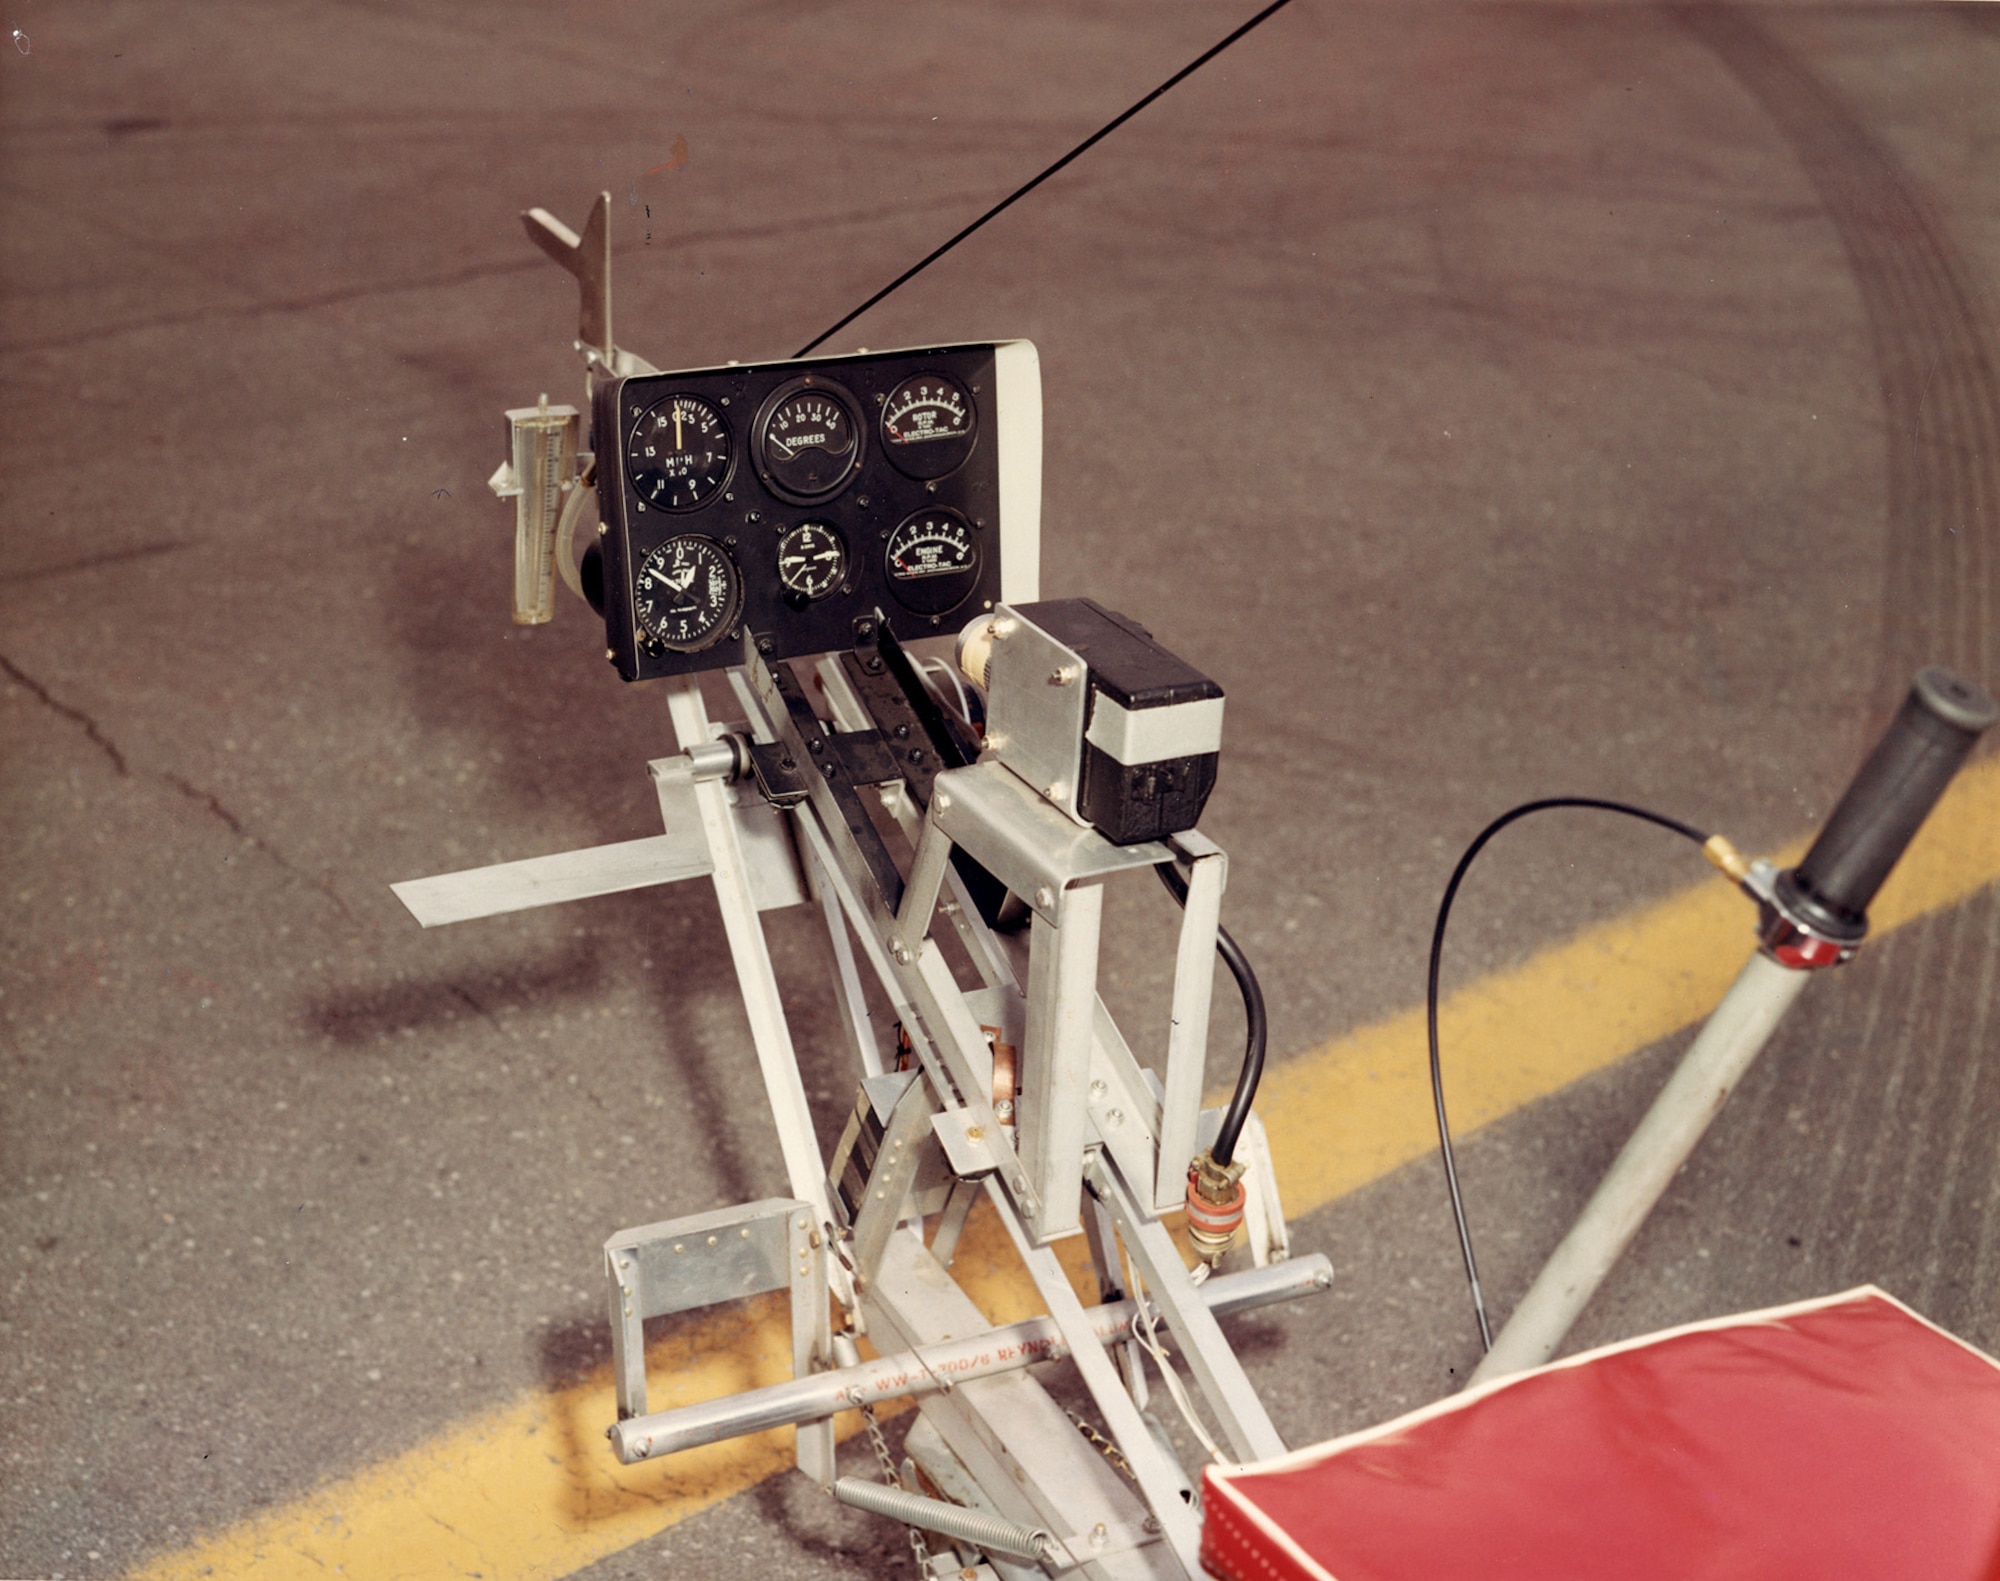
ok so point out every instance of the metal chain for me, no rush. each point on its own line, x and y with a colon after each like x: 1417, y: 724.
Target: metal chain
x: 918, y: 1547
x: 1111, y: 1451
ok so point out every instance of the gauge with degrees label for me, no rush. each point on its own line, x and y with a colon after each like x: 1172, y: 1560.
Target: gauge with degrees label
x: 932, y: 561
x: 928, y: 423
x: 807, y: 440
x: 678, y: 455
x: 687, y: 593
x: 812, y: 562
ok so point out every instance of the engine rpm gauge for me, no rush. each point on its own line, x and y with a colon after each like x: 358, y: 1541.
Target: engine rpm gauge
x: 932, y: 561
x: 807, y: 441
x: 811, y: 563
x: 687, y: 593
x: 928, y: 424
x: 678, y: 455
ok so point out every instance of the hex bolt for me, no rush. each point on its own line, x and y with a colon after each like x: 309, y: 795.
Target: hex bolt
x: 1045, y: 897
x: 766, y: 645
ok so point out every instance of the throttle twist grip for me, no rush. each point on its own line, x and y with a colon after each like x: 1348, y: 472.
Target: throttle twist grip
x: 1886, y: 804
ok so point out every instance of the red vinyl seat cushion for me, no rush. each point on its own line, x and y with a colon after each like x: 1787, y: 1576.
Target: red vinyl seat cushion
x: 1838, y: 1440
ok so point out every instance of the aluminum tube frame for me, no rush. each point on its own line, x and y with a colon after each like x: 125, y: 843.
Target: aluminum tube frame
x: 1187, y: 1035
x: 777, y: 1060
x: 1736, y: 1032
x: 914, y: 1373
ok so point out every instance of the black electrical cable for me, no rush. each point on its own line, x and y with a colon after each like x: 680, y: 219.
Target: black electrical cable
x: 1431, y: 1004
x: 1021, y: 192
x: 1256, y: 1034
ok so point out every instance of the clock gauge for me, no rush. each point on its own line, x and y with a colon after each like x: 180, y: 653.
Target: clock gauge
x: 686, y: 594
x: 812, y: 562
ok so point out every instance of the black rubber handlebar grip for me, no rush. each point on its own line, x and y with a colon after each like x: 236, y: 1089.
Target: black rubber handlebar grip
x: 1887, y: 803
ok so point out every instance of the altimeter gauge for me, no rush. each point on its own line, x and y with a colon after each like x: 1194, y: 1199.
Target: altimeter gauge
x: 928, y: 425
x: 687, y: 593
x: 807, y: 441
x: 932, y: 561
x: 678, y: 456
x: 812, y: 562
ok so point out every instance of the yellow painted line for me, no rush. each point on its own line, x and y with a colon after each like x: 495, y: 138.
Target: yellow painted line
x: 1355, y: 1108
x: 531, y: 1491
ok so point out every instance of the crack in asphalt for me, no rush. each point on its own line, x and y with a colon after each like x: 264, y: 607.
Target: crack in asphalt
x: 207, y: 800
x: 75, y: 715
x: 93, y: 561
x: 476, y: 272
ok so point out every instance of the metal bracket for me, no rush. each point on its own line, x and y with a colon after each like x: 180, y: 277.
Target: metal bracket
x: 682, y: 1264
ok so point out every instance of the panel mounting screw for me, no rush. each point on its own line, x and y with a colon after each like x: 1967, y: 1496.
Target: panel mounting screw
x: 1063, y: 675
x: 1045, y: 897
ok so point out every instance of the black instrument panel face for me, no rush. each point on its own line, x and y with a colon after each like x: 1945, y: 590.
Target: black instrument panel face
x: 793, y: 499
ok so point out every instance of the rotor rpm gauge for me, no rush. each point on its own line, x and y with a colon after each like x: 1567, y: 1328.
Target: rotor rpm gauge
x: 928, y: 423
x: 678, y: 455
x: 812, y: 561
x: 687, y: 593
x: 932, y: 561
x: 807, y: 441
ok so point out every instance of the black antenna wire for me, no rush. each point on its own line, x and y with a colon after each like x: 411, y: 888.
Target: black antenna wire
x: 1019, y: 193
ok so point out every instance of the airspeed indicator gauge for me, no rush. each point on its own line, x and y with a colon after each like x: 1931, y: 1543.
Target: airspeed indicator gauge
x: 932, y: 561
x: 928, y: 425
x: 807, y: 441
x: 687, y: 593
x: 678, y: 455
x: 811, y: 563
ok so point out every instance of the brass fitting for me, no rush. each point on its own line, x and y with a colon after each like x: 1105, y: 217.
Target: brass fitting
x: 1725, y: 856
x: 1215, y: 1200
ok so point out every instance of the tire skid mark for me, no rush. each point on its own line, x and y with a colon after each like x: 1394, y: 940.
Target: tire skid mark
x: 1935, y: 360
x: 1908, y: 1128
x: 1973, y: 1073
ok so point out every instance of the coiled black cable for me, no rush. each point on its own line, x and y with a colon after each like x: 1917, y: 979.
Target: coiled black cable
x: 1431, y: 1004
x: 1257, y: 1031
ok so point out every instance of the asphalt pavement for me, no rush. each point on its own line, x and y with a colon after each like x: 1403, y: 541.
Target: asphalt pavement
x: 1499, y: 400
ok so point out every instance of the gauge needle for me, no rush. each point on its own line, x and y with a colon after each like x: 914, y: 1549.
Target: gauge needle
x: 679, y: 443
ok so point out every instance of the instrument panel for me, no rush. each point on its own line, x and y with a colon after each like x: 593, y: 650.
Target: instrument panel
x: 794, y: 499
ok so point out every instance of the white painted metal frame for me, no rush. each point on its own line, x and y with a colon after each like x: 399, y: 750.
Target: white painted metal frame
x: 1091, y: 1118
